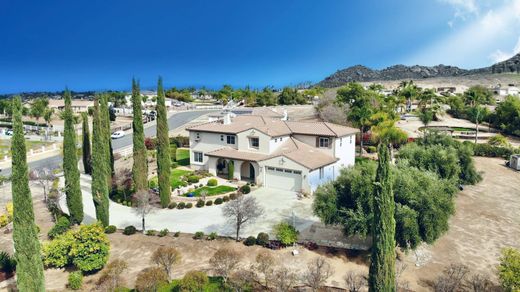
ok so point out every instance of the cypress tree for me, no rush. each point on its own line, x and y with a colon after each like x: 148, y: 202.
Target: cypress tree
x: 29, y: 268
x: 163, y: 147
x: 140, y: 167
x: 382, y: 266
x: 105, y: 122
x: 87, y: 159
x: 70, y: 165
x: 99, y: 166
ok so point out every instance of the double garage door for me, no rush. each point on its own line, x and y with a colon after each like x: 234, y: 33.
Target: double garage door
x: 285, y: 179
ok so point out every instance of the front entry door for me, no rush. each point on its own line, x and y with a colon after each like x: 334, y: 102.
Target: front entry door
x: 251, y: 172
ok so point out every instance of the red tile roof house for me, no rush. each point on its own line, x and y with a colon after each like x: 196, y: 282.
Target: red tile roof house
x: 295, y: 156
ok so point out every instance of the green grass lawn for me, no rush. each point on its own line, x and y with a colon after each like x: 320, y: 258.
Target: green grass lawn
x: 175, y: 179
x: 183, y: 156
x: 215, y: 284
x: 212, y: 191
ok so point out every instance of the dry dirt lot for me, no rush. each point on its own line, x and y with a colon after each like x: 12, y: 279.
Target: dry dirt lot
x: 486, y: 220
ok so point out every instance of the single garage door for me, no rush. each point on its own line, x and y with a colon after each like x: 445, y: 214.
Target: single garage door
x: 285, y: 179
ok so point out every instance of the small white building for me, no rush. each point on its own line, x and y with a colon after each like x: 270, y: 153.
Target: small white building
x: 514, y: 162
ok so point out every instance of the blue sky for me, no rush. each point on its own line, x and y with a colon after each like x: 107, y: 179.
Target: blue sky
x: 99, y: 44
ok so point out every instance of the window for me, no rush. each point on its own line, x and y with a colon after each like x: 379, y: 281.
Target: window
x: 198, y: 157
x: 324, y: 142
x: 322, y: 173
x: 231, y: 139
x: 221, y: 137
x: 275, y: 140
x: 254, y: 142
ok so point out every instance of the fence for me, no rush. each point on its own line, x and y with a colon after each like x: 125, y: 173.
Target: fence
x: 32, y: 152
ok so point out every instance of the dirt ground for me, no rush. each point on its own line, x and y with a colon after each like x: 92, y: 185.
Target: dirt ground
x: 486, y: 220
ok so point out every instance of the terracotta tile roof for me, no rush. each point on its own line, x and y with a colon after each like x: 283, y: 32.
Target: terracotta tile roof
x: 274, y: 127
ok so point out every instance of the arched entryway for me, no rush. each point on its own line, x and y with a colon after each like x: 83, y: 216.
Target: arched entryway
x: 247, y: 171
x: 222, y: 167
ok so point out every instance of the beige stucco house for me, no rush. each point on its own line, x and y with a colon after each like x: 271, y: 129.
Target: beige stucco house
x: 296, y: 156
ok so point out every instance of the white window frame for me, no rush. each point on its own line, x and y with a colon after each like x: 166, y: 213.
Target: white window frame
x: 251, y: 142
x: 233, y: 137
x: 195, y: 156
x: 322, y: 142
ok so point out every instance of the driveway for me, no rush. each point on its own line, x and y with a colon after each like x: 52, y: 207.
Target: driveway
x: 278, y: 205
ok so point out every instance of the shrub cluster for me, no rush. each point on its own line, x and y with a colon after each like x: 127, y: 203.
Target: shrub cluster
x: 209, y: 203
x: 188, y: 205
x: 200, y: 203
x: 250, y: 241
x: 212, y: 182
x: 129, y: 230
x: 172, y: 205
x: 193, y: 179
x: 245, y: 189
x: 218, y: 201
x: 212, y: 236
x: 60, y: 227
x: 110, y: 229
x: 262, y: 239
x: 181, y: 205
x: 163, y: 232
x: 198, y: 235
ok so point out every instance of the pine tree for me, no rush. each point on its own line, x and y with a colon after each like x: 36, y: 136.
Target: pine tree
x: 140, y: 167
x: 99, y: 166
x: 29, y: 268
x: 163, y: 147
x: 70, y: 165
x: 87, y: 159
x: 382, y: 266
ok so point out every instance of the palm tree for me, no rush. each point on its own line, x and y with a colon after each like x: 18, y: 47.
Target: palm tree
x: 475, y: 97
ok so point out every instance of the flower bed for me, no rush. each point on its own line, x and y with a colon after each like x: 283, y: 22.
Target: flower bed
x: 210, y: 191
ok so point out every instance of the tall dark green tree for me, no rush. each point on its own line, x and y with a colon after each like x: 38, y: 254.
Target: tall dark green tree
x: 87, y: 159
x: 99, y: 166
x: 140, y: 166
x: 29, y: 269
x: 163, y: 147
x: 105, y: 121
x: 70, y: 164
x: 382, y: 266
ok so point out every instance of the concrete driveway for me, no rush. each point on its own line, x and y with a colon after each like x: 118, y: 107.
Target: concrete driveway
x: 278, y: 205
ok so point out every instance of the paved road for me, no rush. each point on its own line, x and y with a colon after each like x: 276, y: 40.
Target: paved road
x: 174, y: 121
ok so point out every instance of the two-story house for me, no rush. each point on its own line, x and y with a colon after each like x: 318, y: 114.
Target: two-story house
x: 296, y: 156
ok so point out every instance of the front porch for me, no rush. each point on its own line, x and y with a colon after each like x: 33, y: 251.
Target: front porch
x: 242, y: 170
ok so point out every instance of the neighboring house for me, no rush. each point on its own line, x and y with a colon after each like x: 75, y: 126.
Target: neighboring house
x: 255, y: 111
x: 78, y: 105
x: 287, y: 155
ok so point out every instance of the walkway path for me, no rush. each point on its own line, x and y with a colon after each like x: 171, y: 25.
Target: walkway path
x: 278, y: 205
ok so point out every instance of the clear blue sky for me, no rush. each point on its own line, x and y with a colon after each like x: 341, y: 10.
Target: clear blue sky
x: 100, y: 44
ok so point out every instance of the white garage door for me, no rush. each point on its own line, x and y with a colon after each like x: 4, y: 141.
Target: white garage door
x: 285, y: 179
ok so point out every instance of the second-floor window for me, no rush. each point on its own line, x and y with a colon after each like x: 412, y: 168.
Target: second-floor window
x: 324, y: 142
x: 254, y: 142
x: 231, y: 139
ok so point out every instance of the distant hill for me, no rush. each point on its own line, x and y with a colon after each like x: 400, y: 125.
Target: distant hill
x: 361, y: 73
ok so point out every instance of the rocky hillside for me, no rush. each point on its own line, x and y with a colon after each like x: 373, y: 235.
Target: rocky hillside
x: 361, y: 73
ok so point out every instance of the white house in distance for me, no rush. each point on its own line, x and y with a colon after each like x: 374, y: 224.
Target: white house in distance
x: 296, y: 156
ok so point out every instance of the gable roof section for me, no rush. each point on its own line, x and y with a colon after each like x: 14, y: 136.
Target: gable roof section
x: 303, y: 154
x: 274, y: 127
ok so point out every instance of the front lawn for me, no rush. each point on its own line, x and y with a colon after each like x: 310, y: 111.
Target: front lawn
x: 215, y: 284
x: 175, y: 179
x: 211, y: 191
x: 183, y: 156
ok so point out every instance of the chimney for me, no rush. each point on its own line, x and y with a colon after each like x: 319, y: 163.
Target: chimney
x: 227, y: 118
x: 285, y: 115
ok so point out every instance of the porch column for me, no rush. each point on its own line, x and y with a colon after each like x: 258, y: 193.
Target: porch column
x: 212, y: 165
x: 238, y: 167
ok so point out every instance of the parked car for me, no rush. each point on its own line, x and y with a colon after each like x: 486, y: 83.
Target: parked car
x: 118, y: 134
x: 9, y: 132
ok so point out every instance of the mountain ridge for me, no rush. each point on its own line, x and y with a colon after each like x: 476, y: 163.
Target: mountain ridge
x: 360, y: 73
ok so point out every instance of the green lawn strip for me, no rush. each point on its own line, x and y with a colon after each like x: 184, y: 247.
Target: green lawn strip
x: 183, y: 156
x: 176, y: 175
x: 215, y: 284
x: 212, y: 191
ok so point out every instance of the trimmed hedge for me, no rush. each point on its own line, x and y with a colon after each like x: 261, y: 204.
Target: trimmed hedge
x: 212, y: 182
x: 245, y: 189
x: 218, y: 201
x: 209, y: 203
x: 181, y: 205
x: 129, y: 230
x: 200, y: 203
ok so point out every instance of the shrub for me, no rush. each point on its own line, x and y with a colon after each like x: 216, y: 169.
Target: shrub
x: 181, y: 205
x: 262, y: 239
x: 200, y: 203
x: 150, y: 143
x: 153, y: 183
x: 286, y: 233
x: 371, y: 149
x: 201, y: 185
x: 150, y: 279
x: 509, y: 269
x: 110, y: 229
x: 212, y: 182
x: 129, y: 230
x: 212, y: 236
x: 209, y: 203
x: 163, y: 232
x: 177, y: 234
x: 218, y: 201
x: 198, y: 235
x: 232, y: 196
x: 4, y: 220
x: 151, y: 232
x: 7, y: 263
x: 193, y: 179
x: 172, y: 205
x: 225, y: 198
x: 250, y: 241
x: 194, y: 281
x: 245, y: 189
x: 189, y: 205
x: 75, y: 280
x: 60, y: 227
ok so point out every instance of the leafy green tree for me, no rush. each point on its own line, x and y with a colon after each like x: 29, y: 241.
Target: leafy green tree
x: 499, y: 140
x: 29, y: 269
x: 266, y: 97
x: 99, y: 166
x: 409, y: 91
x: 47, y: 115
x: 381, y: 276
x: 70, y: 164
x: 475, y: 97
x: 291, y: 96
x: 509, y: 269
x: 38, y: 107
x: 87, y: 159
x: 384, y: 131
x: 225, y: 94
x: 140, y: 167
x: 286, y: 233
x: 163, y: 148
x: 507, y: 115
